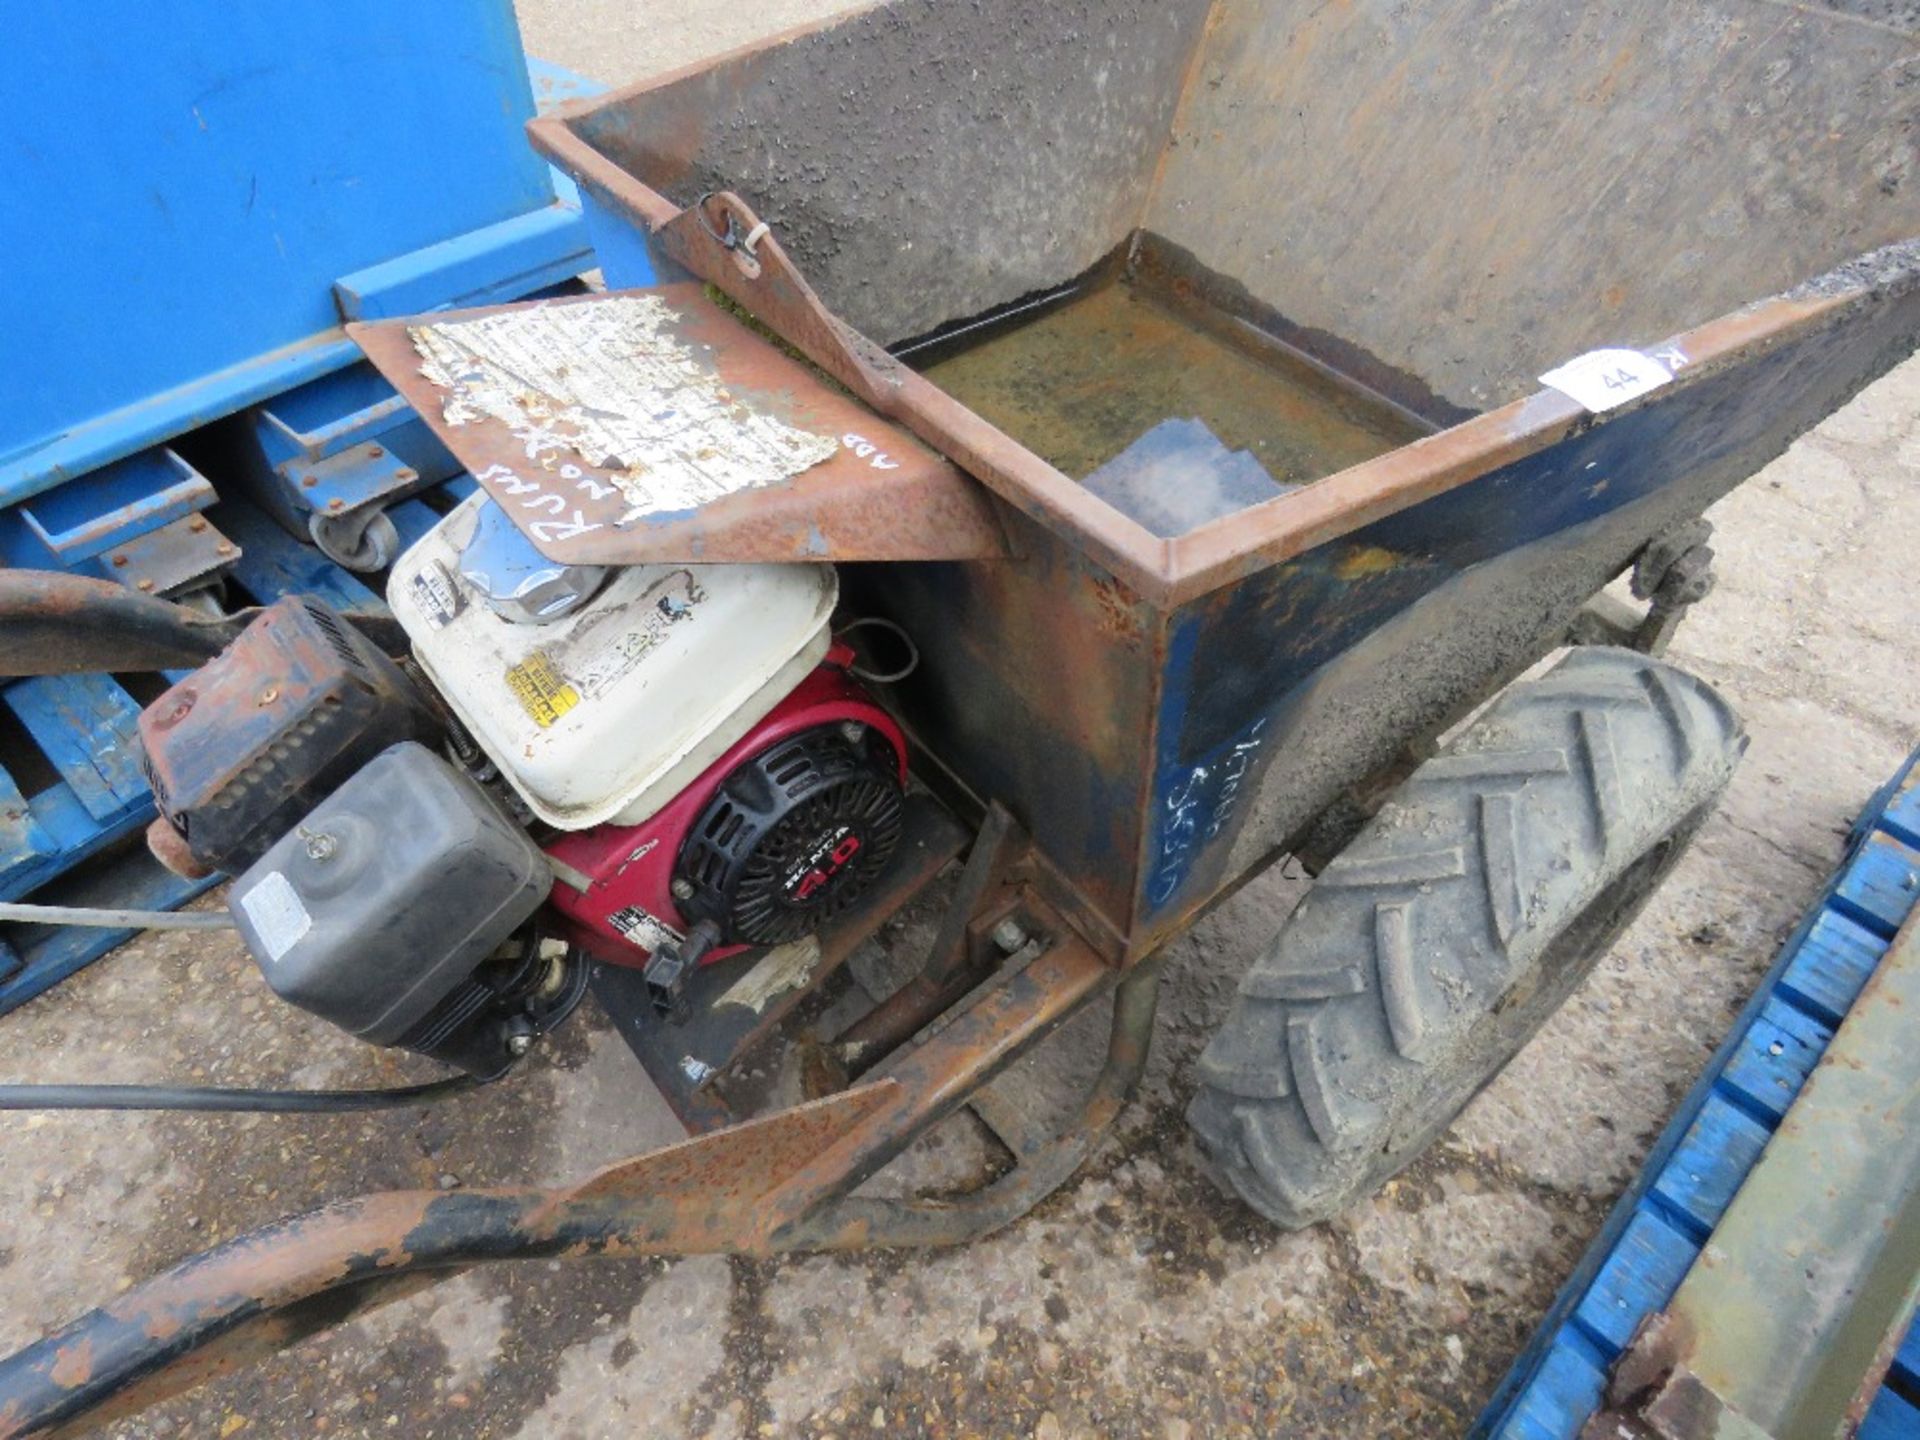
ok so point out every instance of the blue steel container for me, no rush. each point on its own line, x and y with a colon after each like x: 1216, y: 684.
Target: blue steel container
x: 195, y: 197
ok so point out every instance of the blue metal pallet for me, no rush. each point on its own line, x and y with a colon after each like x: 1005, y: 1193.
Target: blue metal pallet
x: 1660, y: 1225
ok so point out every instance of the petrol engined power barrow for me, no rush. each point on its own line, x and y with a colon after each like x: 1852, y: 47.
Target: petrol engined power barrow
x: 1160, y: 385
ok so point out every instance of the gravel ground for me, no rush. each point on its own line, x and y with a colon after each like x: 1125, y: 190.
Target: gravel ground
x: 1138, y: 1301
x: 616, y: 41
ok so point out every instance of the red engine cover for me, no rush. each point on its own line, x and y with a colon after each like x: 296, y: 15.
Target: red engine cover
x: 613, y: 883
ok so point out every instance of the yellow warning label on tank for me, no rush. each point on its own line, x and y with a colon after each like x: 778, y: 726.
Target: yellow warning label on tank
x: 543, y: 692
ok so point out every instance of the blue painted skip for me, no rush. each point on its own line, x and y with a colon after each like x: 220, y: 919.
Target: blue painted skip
x: 1659, y: 1226
x: 189, y: 183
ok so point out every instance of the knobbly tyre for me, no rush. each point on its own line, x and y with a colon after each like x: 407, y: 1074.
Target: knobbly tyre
x: 1190, y: 471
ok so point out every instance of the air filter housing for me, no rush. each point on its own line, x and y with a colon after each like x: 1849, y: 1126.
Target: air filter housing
x: 243, y: 747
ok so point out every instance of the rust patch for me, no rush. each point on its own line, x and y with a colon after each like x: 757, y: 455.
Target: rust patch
x: 74, y: 1364
x: 1360, y: 561
x: 1113, y: 607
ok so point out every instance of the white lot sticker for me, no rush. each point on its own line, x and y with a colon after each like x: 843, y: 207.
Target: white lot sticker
x: 649, y: 932
x: 1603, y: 379
x: 609, y: 381
x: 273, y: 908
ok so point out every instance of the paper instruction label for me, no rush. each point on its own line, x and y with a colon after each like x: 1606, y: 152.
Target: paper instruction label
x: 278, y: 918
x: 543, y: 692
x: 1604, y: 379
x: 609, y: 644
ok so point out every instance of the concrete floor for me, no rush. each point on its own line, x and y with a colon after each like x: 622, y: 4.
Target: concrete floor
x: 1137, y: 1302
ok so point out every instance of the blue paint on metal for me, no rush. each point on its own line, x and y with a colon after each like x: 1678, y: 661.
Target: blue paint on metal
x: 1890, y: 1418
x: 1830, y: 967
x: 1713, y: 1157
x: 338, y: 443
x: 484, y: 267
x: 625, y: 255
x: 272, y: 563
x: 61, y: 528
x: 1175, y: 803
x: 1895, y: 1413
x: 1310, y: 611
x: 404, y: 244
x: 1715, y: 1138
x: 555, y: 85
x: 1773, y: 1059
x: 326, y: 415
x: 355, y: 478
x: 413, y: 519
x: 1880, y: 889
x: 83, y: 726
x: 1569, y: 1382
x: 221, y: 169
x: 65, y: 840
x: 1905, y: 1370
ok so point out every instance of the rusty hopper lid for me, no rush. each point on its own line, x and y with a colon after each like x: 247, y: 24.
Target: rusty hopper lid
x: 651, y: 425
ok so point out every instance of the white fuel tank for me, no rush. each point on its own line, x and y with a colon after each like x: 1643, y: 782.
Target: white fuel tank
x: 609, y: 712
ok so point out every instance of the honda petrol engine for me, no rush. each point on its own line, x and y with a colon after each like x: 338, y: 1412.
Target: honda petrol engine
x: 651, y: 766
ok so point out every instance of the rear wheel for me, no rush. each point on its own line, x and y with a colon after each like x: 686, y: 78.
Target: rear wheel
x: 1454, y: 924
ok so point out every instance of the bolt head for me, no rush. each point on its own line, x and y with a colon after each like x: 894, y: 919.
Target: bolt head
x: 319, y: 845
x: 682, y: 889
x: 519, y: 1044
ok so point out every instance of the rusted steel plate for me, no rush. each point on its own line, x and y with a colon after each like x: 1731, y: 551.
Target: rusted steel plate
x: 650, y: 425
x: 1612, y: 194
x: 1009, y: 1014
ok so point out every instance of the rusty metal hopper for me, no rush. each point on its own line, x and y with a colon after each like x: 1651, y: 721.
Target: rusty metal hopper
x: 1419, y: 211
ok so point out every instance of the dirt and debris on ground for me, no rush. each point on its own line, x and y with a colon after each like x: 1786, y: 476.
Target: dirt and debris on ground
x: 1139, y: 1301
